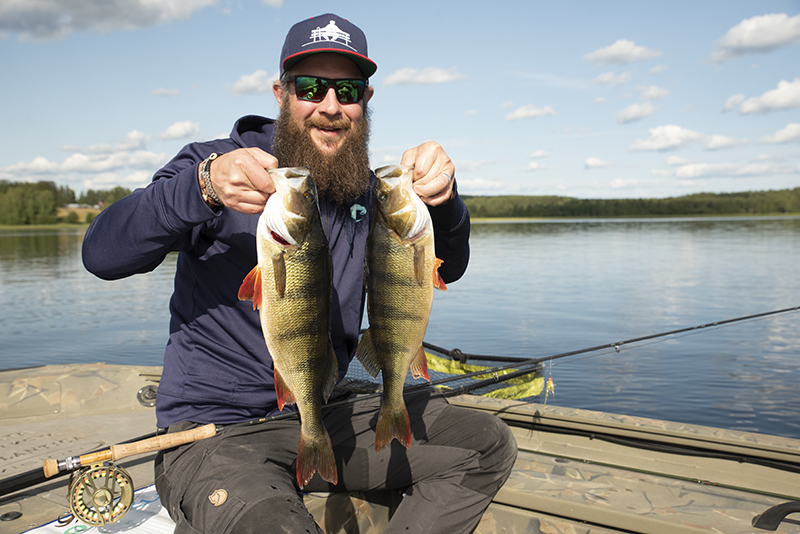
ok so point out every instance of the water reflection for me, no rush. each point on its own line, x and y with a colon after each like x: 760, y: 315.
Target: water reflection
x: 532, y: 289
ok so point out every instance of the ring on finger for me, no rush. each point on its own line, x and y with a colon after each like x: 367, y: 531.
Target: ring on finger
x: 449, y: 178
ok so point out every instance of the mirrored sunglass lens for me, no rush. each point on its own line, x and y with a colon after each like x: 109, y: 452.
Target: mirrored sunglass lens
x: 310, y: 88
x: 314, y: 89
x: 347, y: 91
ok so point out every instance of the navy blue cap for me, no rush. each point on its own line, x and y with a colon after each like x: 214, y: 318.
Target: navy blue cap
x: 326, y: 33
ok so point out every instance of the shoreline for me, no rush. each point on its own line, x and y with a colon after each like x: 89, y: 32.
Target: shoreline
x: 480, y: 220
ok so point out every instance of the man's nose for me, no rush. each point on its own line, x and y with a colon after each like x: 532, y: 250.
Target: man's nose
x: 330, y: 105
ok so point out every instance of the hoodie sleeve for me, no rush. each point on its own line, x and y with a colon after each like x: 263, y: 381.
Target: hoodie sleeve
x: 451, y: 234
x: 135, y: 234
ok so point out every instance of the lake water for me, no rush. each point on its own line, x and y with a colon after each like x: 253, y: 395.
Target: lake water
x: 533, y: 289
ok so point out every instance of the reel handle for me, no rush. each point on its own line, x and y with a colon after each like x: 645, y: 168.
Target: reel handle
x: 118, y: 452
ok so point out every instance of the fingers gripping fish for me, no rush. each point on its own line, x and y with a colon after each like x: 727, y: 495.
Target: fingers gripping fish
x: 401, y: 273
x: 292, y: 287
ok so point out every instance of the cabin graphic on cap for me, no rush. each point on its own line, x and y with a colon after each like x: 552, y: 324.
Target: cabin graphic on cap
x: 331, y: 32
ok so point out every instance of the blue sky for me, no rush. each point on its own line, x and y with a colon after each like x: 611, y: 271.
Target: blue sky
x: 587, y: 99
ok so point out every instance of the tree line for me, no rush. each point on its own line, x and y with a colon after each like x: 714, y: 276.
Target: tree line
x: 36, y: 203
x: 782, y: 201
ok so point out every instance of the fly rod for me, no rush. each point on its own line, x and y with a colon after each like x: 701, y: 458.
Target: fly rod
x: 143, y: 444
x: 124, y: 450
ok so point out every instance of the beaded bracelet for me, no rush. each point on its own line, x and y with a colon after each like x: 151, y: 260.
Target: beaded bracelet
x: 207, y: 190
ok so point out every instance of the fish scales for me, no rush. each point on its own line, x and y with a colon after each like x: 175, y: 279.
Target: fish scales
x: 292, y: 287
x: 401, y: 273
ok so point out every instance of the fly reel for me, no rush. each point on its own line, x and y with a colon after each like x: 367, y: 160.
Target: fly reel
x: 100, y: 494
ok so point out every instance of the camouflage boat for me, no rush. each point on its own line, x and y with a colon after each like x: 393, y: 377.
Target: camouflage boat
x: 577, y: 472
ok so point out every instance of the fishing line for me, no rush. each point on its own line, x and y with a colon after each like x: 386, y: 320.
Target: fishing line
x: 520, y: 366
x: 694, y: 331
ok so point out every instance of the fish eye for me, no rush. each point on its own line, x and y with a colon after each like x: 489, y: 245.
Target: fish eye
x: 308, y: 196
x: 382, y: 196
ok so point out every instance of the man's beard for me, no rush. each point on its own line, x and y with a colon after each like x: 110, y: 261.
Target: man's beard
x: 342, y: 176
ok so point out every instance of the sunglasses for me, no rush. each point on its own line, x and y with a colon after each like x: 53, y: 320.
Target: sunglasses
x: 314, y: 88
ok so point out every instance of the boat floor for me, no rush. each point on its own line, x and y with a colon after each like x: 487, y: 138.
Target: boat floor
x: 577, y: 472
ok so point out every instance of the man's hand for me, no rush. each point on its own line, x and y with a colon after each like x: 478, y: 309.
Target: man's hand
x: 241, y: 181
x: 433, y: 172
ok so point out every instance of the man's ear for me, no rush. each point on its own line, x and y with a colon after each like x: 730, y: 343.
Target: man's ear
x: 277, y: 90
x: 368, y: 93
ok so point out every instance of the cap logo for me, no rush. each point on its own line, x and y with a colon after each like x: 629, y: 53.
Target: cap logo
x: 330, y: 33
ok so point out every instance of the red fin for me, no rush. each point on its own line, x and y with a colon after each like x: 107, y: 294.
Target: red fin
x: 251, y: 287
x: 438, y: 283
x: 316, y: 456
x: 285, y: 395
x: 393, y: 423
x: 419, y: 365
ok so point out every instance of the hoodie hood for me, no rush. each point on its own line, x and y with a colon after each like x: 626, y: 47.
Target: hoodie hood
x: 254, y: 131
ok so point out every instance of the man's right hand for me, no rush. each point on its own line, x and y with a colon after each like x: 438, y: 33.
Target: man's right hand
x: 241, y: 181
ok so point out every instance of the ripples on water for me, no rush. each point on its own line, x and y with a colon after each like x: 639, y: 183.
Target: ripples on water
x: 533, y: 289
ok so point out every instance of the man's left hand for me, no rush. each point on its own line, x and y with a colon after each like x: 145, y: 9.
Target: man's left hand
x: 434, y: 172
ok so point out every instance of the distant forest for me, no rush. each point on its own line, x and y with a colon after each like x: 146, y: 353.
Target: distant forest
x: 747, y: 203
x: 36, y: 203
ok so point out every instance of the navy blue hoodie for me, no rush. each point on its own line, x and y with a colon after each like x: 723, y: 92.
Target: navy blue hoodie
x: 217, y: 368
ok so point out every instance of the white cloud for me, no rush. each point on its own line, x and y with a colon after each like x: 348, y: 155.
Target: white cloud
x: 599, y: 100
x: 254, y: 84
x: 612, y: 78
x: 660, y: 173
x: 785, y: 96
x: 470, y: 112
x: 81, y: 164
x: 430, y: 75
x: 132, y: 141
x: 654, y: 92
x: 658, y: 69
x: 675, y: 160
x: 667, y: 137
x: 534, y: 166
x: 162, y: 91
x: 635, y: 112
x: 140, y: 159
x: 506, y: 104
x: 723, y: 170
x: 785, y: 135
x: 41, y: 20
x: 596, y: 163
x: 619, y: 183
x: 716, y: 142
x: 622, y: 51
x: 180, y: 130
x: 273, y: 3
x: 733, y: 102
x: 538, y: 154
x: 529, y: 111
x: 38, y: 165
x: 760, y: 34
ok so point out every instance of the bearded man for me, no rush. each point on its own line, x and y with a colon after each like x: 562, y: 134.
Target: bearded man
x: 204, y: 204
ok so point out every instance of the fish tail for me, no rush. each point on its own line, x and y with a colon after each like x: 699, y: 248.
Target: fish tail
x: 315, y: 455
x: 419, y: 365
x: 366, y: 354
x: 393, y: 422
